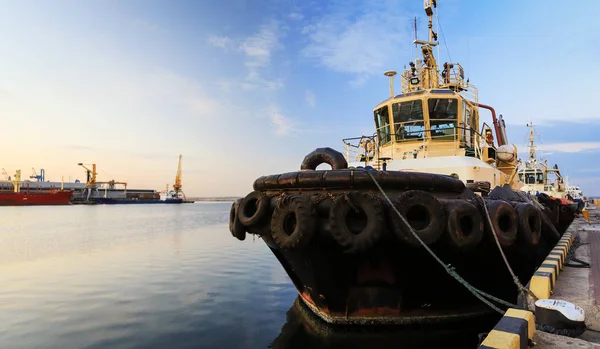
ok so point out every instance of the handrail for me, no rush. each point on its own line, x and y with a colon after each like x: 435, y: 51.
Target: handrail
x: 476, y: 144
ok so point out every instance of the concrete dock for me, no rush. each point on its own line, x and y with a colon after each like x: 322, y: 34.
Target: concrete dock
x: 580, y: 286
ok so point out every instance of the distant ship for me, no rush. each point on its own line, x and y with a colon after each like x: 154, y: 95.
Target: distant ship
x: 53, y: 197
x: 110, y: 201
x: 27, y: 197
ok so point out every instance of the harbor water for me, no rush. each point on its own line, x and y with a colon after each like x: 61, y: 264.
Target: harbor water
x: 159, y: 276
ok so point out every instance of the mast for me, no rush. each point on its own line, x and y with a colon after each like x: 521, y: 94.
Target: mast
x: 425, y: 76
x: 532, y: 156
x: 429, y: 5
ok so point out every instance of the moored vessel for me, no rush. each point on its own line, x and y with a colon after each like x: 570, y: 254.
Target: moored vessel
x: 15, y: 195
x: 371, y: 240
x: 548, y: 185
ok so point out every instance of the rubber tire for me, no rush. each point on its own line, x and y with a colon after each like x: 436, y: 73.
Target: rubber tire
x: 254, y: 208
x: 453, y: 234
x: 329, y: 156
x: 529, y: 231
x: 235, y: 226
x: 434, y: 228
x: 304, y: 227
x: 341, y: 232
x: 498, y: 209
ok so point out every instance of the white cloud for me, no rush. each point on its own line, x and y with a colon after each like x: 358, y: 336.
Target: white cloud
x: 311, y: 98
x: 568, y: 147
x: 219, y: 41
x: 362, y: 43
x: 283, y: 126
x: 296, y: 16
x: 589, y: 170
x: 258, y: 50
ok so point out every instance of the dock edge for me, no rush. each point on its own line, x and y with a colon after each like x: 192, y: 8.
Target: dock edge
x: 517, y: 327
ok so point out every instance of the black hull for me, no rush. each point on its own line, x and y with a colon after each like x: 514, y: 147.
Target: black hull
x: 394, y: 285
x: 303, y: 329
x: 355, y: 261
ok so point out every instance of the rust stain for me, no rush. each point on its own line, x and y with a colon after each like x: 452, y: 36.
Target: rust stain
x: 373, y: 311
x: 307, y: 298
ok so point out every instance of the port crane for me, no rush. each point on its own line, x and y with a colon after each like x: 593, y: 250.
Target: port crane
x: 92, y: 181
x: 91, y: 175
x: 177, y: 185
x: 5, y: 174
x: 176, y: 192
x: 41, y: 177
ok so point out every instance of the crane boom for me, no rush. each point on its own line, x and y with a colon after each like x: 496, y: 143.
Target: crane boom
x: 91, y: 175
x: 177, y: 185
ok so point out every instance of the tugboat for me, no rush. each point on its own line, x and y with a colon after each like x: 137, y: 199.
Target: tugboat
x: 370, y: 240
x: 538, y: 178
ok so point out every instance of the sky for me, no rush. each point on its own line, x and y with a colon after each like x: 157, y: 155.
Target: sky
x: 247, y: 88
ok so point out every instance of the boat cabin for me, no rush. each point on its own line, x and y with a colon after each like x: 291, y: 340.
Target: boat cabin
x: 439, y: 118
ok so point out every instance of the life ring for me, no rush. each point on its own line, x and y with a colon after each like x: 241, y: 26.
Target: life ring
x: 356, y: 231
x: 235, y: 226
x: 293, y: 222
x: 334, y: 158
x: 424, y: 214
x: 504, y: 220
x: 530, y: 223
x: 464, y: 227
x: 253, y: 208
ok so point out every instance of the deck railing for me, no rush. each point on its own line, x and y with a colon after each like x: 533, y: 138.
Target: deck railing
x: 357, y: 149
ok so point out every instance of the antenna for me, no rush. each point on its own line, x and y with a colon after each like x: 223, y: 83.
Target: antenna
x: 390, y: 74
x: 416, y: 38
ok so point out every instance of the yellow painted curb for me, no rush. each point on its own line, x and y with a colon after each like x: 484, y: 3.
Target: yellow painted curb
x: 513, y: 331
x: 518, y: 326
x: 544, y: 279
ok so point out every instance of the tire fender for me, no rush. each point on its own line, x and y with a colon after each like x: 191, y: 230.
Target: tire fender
x: 254, y: 208
x: 334, y: 158
x: 356, y: 221
x: 529, y: 224
x: 423, y: 212
x: 293, y: 222
x: 504, y: 220
x: 464, y: 227
x: 235, y: 226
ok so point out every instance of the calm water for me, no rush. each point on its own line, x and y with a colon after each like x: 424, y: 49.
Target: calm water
x: 150, y: 276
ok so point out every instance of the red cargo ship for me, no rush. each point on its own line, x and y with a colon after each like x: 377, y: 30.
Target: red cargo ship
x: 24, y: 198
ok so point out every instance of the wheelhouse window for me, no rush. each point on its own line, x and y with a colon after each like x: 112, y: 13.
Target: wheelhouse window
x: 532, y: 177
x: 382, y: 122
x: 443, y: 117
x: 408, y: 120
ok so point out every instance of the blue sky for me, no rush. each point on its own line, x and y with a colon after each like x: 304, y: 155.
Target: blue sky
x: 244, y: 88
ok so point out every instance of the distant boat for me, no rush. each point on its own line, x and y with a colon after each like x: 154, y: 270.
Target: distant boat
x: 110, y: 201
x: 27, y: 197
x: 34, y: 198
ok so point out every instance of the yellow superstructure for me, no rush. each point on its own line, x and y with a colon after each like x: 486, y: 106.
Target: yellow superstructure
x: 433, y: 125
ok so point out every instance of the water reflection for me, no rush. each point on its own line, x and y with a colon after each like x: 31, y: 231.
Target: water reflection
x: 303, y: 329
x: 153, y: 277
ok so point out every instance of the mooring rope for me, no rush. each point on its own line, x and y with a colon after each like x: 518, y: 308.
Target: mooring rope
x: 522, y: 289
x: 449, y: 268
x: 571, y: 254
